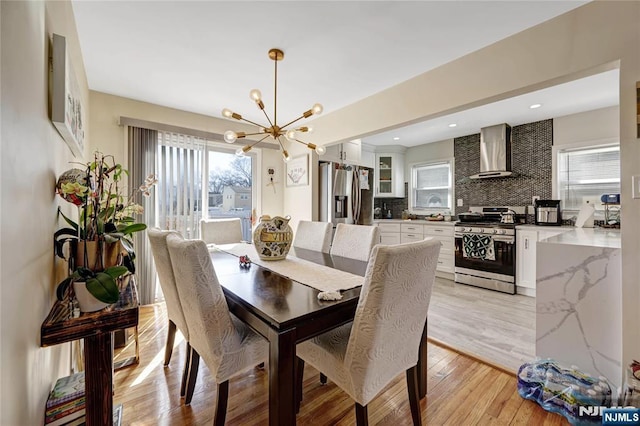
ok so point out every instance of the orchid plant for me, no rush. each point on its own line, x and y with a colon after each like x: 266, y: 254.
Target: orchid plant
x: 105, y: 215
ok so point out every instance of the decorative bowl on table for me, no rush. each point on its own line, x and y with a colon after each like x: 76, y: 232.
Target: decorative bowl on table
x: 272, y: 237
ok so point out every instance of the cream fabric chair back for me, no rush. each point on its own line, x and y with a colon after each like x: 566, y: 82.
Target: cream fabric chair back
x: 226, y: 344
x: 221, y: 231
x: 391, y: 314
x: 313, y: 236
x: 160, y: 251
x: 354, y: 241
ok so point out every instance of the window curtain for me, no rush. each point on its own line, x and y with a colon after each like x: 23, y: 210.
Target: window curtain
x: 142, y: 150
x: 180, y: 180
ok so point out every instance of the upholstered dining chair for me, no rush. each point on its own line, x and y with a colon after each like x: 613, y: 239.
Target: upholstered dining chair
x: 160, y: 251
x: 314, y: 236
x: 227, y: 345
x: 221, y: 231
x: 362, y: 357
x: 354, y: 241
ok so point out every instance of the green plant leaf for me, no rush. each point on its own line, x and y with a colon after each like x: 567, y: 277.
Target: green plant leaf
x: 134, y: 228
x: 103, y: 288
x: 69, y: 221
x: 81, y: 273
x: 116, y: 271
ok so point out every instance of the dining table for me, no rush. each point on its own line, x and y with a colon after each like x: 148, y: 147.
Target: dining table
x: 278, y: 301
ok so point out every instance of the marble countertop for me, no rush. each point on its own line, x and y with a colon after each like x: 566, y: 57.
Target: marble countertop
x: 593, y: 237
x: 562, y: 228
x: 416, y: 221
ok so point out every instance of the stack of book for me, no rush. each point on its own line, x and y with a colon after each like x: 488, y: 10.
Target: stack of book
x: 66, y: 402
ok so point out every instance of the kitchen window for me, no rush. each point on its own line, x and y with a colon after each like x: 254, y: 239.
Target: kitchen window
x: 431, y: 187
x: 585, y: 174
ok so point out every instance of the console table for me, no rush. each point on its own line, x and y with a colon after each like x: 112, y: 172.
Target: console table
x: 96, y: 328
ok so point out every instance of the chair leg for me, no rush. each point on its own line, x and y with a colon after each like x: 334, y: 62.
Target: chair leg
x: 299, y: 377
x: 323, y: 379
x: 221, y: 406
x: 171, y: 335
x: 185, y: 372
x: 193, y: 374
x: 362, y: 418
x: 414, y: 398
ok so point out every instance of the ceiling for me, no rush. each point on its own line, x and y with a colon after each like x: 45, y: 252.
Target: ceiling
x: 203, y: 56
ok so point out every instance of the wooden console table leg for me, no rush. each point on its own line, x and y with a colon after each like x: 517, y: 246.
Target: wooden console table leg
x: 98, y: 366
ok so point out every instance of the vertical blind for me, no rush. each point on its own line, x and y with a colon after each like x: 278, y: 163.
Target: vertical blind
x: 143, y: 145
x: 180, y: 172
x: 586, y: 174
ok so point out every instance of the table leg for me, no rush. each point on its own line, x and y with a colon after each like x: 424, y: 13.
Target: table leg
x: 422, y: 363
x: 98, y: 366
x: 282, y: 355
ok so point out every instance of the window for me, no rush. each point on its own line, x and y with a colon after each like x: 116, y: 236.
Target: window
x: 587, y: 173
x: 230, y: 192
x: 431, y: 186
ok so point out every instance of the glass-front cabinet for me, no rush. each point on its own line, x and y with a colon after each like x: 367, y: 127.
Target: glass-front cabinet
x: 389, y: 174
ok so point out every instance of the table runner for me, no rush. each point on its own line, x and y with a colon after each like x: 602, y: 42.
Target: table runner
x: 320, y: 277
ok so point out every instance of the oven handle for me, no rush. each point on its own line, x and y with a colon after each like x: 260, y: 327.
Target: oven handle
x: 506, y: 239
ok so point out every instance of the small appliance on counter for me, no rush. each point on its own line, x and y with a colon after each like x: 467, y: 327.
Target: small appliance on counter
x: 547, y: 212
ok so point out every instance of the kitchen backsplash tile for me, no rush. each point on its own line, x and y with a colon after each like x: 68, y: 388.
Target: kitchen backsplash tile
x: 531, y: 160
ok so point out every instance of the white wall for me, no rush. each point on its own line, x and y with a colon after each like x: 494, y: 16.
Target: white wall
x: 592, y: 38
x: 591, y: 126
x: 427, y: 152
x: 33, y: 155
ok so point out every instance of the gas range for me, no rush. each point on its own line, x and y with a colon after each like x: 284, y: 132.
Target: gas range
x: 487, y: 228
x: 485, y: 248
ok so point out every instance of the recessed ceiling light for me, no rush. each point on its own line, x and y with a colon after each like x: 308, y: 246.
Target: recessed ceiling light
x: 452, y: 125
x: 534, y: 106
x: 396, y: 138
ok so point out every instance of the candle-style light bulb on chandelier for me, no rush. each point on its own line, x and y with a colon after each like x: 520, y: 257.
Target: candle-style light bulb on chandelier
x: 273, y: 129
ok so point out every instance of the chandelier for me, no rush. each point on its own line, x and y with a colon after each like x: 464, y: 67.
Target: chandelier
x: 273, y: 130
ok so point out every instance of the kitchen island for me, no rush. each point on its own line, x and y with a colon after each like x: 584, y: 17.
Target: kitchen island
x: 579, y: 301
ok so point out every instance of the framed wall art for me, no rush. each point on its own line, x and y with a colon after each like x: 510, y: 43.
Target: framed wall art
x: 67, y: 110
x: 298, y: 171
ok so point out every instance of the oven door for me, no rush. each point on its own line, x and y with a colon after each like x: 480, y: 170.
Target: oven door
x: 502, y: 262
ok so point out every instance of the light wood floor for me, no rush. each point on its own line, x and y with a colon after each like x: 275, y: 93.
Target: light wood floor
x: 460, y: 391
x: 492, y: 326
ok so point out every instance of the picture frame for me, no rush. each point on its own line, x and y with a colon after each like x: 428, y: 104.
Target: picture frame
x: 67, y: 109
x: 298, y: 171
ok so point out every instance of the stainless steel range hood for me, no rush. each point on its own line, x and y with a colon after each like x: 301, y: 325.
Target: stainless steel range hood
x: 495, y: 152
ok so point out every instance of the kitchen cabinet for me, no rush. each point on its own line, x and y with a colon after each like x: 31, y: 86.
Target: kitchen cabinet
x: 345, y: 152
x: 526, y: 262
x: 403, y: 232
x: 389, y: 233
x: 526, y: 259
x: 389, y: 175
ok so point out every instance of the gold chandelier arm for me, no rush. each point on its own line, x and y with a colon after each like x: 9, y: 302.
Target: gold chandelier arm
x: 251, y: 122
x: 256, y: 143
x: 268, y: 119
x: 253, y: 134
x: 293, y: 121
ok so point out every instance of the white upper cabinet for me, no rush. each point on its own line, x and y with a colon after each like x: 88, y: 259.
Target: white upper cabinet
x: 345, y: 152
x: 389, y: 173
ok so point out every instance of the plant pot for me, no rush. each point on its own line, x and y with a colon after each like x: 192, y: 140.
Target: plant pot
x: 86, y: 301
x: 100, y: 254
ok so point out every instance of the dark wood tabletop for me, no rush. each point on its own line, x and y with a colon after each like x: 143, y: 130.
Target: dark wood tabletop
x: 287, y: 312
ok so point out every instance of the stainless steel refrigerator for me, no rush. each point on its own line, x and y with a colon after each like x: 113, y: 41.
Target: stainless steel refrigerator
x: 346, y: 194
